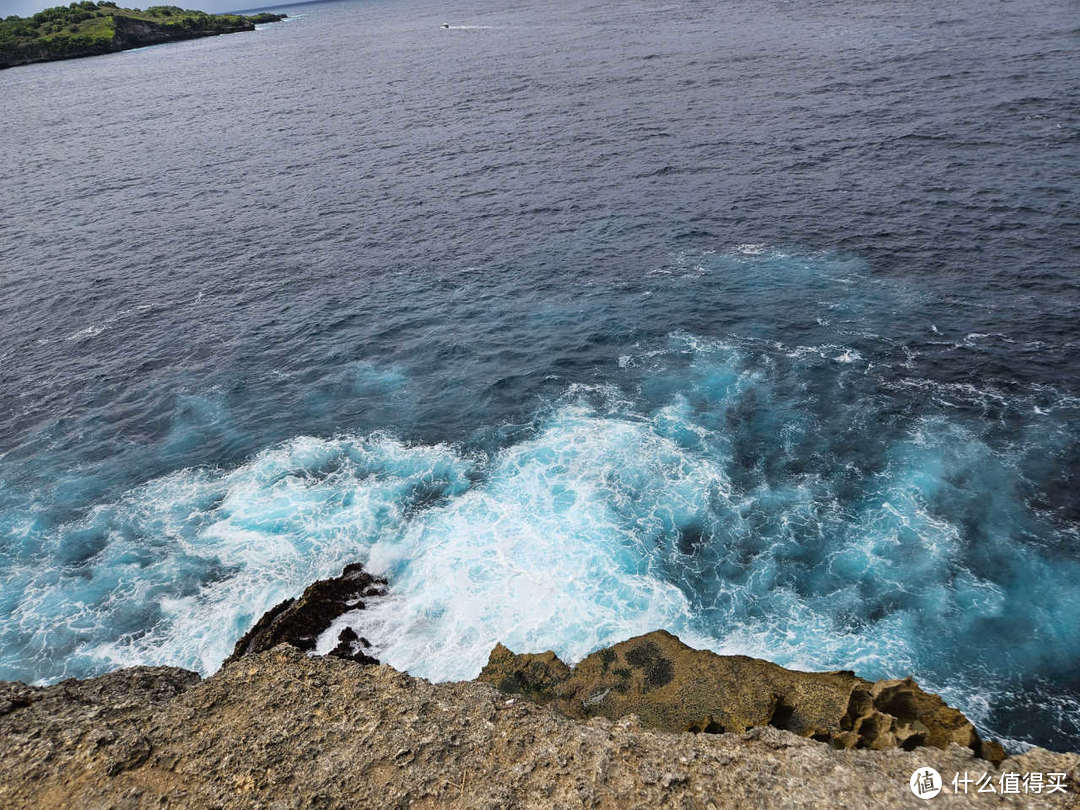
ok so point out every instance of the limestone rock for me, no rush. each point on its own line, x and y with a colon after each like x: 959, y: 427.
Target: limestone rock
x: 531, y: 675
x: 673, y: 687
x: 283, y: 729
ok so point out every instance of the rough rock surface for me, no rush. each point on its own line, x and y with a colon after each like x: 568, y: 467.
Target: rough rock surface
x: 282, y: 729
x: 300, y: 621
x: 673, y: 687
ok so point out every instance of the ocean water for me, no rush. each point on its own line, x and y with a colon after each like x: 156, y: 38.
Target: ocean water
x: 754, y: 321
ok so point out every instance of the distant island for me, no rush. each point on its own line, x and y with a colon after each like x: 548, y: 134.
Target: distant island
x: 92, y: 28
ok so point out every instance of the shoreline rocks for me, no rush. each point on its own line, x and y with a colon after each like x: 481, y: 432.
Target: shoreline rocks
x: 302, y: 620
x: 673, y: 687
x: 666, y: 684
x: 281, y: 727
x: 284, y: 729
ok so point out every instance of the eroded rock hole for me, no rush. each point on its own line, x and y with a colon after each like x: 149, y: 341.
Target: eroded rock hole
x: 900, y: 704
x: 869, y: 730
x: 860, y: 704
x: 783, y: 715
x: 912, y: 742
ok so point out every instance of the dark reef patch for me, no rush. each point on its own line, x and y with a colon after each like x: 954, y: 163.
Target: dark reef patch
x: 302, y: 620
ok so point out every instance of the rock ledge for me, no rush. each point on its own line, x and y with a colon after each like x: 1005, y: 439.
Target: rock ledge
x: 673, y: 687
x: 283, y: 729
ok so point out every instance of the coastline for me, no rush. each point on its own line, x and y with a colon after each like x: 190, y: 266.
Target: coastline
x: 689, y: 379
x: 645, y: 722
x: 285, y: 729
x: 667, y: 684
x: 130, y: 31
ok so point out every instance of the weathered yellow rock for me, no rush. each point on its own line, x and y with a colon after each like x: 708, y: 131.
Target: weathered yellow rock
x: 676, y: 688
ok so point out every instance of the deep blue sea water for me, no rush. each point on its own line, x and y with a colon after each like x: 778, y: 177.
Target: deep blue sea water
x: 755, y: 321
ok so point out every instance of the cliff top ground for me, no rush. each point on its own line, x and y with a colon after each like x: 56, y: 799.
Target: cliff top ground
x: 281, y: 729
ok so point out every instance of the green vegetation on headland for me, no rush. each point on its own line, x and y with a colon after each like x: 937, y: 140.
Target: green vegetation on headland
x: 90, y: 28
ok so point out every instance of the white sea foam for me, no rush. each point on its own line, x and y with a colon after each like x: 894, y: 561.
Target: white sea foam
x: 608, y: 520
x: 552, y: 552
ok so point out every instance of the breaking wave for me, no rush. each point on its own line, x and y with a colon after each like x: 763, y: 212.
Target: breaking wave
x: 753, y: 494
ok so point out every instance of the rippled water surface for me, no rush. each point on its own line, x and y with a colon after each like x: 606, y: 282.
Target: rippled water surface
x: 756, y: 321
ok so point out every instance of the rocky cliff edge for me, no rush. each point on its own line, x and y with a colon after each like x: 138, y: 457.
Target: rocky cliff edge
x: 649, y: 722
x: 284, y: 729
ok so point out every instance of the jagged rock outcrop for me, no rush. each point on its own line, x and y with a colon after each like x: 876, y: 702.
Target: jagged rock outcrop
x: 673, y: 687
x: 667, y: 684
x: 283, y: 729
x: 302, y: 620
x: 279, y: 727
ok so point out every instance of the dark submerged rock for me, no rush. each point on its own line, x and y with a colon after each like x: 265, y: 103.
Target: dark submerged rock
x: 302, y: 620
x: 351, y: 646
